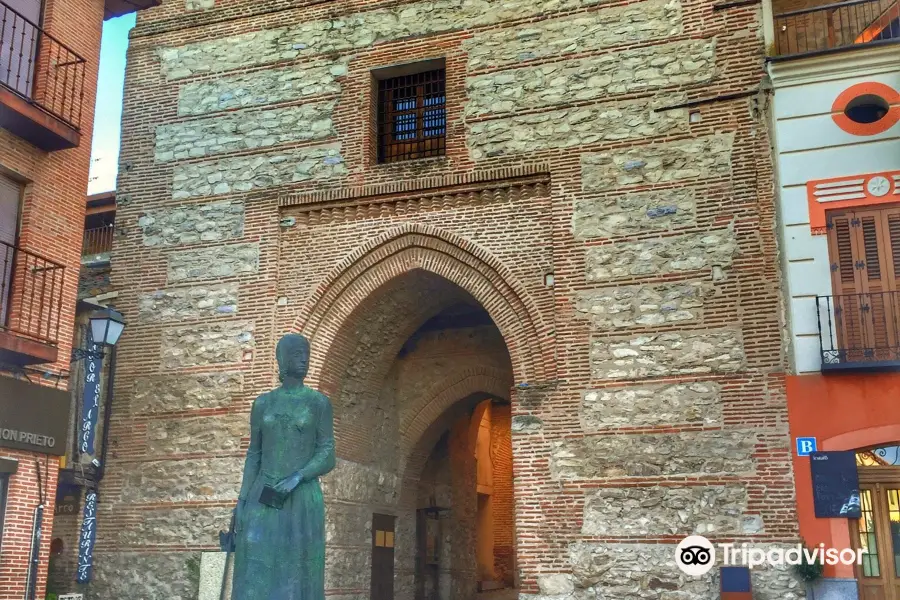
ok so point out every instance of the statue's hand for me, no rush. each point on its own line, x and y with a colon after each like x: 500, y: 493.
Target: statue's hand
x: 287, y: 485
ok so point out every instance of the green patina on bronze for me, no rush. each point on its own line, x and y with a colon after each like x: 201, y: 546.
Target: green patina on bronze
x: 280, y: 553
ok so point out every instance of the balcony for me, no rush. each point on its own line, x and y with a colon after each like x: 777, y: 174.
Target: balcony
x: 41, y: 84
x: 829, y: 27
x: 859, y: 331
x: 31, y: 291
x: 98, y: 240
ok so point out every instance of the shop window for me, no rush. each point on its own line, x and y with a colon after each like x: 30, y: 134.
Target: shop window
x: 412, y: 116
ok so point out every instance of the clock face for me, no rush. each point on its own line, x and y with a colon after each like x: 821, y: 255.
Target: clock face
x: 878, y: 186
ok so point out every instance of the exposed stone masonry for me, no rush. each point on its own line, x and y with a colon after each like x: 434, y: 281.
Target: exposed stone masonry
x: 177, y: 526
x: 245, y: 130
x: 198, y: 434
x: 191, y: 224
x: 348, y: 32
x: 569, y: 127
x: 188, y: 303
x: 633, y: 305
x: 658, y: 163
x: 185, y: 391
x: 676, y: 353
x: 689, y: 510
x: 261, y: 87
x: 653, y: 19
x: 183, y: 480
x: 724, y: 452
x: 246, y: 173
x: 627, y: 214
x: 658, y: 256
x: 648, y: 405
x: 213, y: 262
x: 208, y: 344
x: 592, y: 78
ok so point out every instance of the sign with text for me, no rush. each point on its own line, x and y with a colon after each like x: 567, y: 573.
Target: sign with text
x: 90, y: 411
x: 835, y: 483
x: 33, y: 417
x: 87, y: 538
x: 806, y: 446
x: 68, y: 500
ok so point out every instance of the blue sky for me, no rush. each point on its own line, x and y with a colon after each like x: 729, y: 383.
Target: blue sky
x: 108, y: 115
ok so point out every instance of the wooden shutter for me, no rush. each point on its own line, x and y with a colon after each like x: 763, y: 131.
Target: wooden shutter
x: 862, y: 249
x: 10, y: 198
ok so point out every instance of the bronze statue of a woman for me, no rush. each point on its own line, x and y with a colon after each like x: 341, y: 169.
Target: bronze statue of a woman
x: 280, y: 516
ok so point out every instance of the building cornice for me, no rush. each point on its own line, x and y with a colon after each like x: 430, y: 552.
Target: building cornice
x: 856, y: 61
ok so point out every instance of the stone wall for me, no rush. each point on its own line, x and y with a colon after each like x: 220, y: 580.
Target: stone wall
x: 210, y: 263
x: 653, y: 404
x: 209, y: 344
x: 177, y: 526
x: 643, y: 305
x: 260, y: 88
x: 233, y: 132
x: 659, y: 256
x: 643, y: 511
x: 570, y: 127
x: 662, y: 163
x: 247, y: 173
x: 189, y: 303
x: 629, y: 214
x: 695, y: 453
x: 192, y: 435
x: 628, y: 71
x: 157, y: 575
x: 183, y: 480
x: 190, y: 224
x: 185, y: 391
x: 676, y: 353
x: 634, y: 23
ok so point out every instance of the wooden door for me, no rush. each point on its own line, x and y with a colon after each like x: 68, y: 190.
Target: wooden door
x: 863, y: 246
x: 382, y: 586
x: 877, y: 532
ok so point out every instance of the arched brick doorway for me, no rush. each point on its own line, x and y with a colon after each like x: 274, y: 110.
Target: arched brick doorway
x: 406, y: 337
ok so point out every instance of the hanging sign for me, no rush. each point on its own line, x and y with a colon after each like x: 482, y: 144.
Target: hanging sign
x: 87, y: 538
x: 90, y: 402
x: 835, y: 483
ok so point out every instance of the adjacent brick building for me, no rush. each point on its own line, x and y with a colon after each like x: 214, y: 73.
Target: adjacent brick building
x: 49, y: 55
x: 562, y: 207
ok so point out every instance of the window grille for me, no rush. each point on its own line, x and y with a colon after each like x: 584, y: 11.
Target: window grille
x: 412, y: 116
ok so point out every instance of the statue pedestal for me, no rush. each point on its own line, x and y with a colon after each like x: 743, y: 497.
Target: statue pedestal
x: 212, y: 569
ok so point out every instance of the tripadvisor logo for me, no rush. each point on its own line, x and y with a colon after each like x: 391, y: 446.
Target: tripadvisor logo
x: 695, y: 555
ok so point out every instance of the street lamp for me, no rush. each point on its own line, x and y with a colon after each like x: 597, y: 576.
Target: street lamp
x: 106, y: 327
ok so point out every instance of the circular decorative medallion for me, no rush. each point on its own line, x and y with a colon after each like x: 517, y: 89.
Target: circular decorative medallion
x: 878, y: 186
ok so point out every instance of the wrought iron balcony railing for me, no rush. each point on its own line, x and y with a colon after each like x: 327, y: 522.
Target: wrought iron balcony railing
x: 859, y: 331
x: 31, y: 293
x: 40, y: 68
x: 837, y: 25
x: 97, y: 240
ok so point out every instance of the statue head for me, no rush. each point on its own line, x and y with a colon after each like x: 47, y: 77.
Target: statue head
x: 292, y: 354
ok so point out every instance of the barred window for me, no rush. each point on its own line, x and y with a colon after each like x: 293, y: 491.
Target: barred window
x: 412, y: 116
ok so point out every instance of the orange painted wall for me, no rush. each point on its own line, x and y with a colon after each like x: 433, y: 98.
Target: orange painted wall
x: 844, y: 412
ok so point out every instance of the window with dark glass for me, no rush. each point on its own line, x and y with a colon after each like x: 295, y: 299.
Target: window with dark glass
x: 412, y: 116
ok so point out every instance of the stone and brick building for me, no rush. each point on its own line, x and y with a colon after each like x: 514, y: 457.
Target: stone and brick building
x: 550, y: 221
x: 49, y: 55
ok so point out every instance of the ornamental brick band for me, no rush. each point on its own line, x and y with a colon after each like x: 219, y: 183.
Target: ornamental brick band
x: 192, y: 223
x: 656, y: 511
x: 593, y: 78
x: 629, y: 214
x: 180, y: 304
x: 686, y: 454
x: 675, y: 353
x: 261, y: 87
x: 570, y: 127
x: 637, y: 22
x: 175, y: 392
x: 207, y: 344
x: 705, y: 157
x: 214, y: 262
x: 245, y: 130
x: 660, y: 256
x: 650, y: 405
x: 643, y: 305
